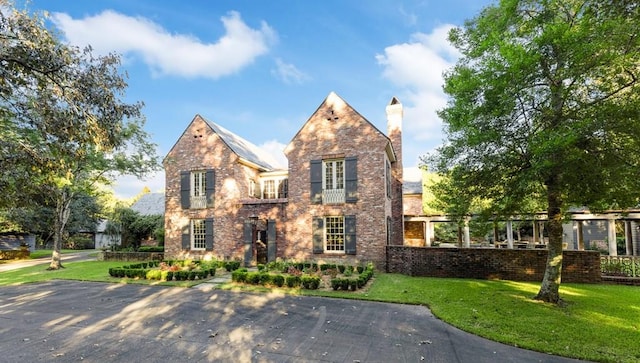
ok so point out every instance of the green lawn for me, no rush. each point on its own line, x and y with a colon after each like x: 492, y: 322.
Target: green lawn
x: 47, y: 253
x: 599, y: 323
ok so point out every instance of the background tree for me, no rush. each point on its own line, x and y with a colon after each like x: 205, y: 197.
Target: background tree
x: 545, y: 104
x: 64, y: 125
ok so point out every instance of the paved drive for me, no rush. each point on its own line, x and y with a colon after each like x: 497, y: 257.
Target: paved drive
x: 69, y: 321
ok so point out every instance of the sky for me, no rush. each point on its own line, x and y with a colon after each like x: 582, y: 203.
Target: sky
x: 261, y: 68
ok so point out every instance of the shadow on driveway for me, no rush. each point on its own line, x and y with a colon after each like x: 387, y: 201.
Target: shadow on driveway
x: 65, y: 321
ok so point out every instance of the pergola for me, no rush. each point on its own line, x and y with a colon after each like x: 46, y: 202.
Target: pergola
x: 630, y: 218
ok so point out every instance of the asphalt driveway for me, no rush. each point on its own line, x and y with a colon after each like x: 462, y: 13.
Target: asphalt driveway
x: 69, y: 321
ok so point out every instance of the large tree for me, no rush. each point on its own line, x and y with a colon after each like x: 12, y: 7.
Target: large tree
x: 65, y: 125
x: 545, y: 102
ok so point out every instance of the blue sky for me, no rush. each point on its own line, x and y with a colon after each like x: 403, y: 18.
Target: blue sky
x: 261, y: 68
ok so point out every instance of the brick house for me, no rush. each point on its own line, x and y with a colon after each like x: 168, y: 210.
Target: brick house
x: 339, y: 200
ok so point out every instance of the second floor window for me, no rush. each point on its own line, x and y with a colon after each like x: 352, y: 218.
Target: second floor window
x: 269, y: 189
x: 333, y: 181
x: 198, y: 189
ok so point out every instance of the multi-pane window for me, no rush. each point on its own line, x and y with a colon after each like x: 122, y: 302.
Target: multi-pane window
x: 198, y: 182
x: 252, y: 188
x: 333, y: 174
x: 269, y: 189
x: 198, y: 234
x: 334, y: 234
x: 333, y: 181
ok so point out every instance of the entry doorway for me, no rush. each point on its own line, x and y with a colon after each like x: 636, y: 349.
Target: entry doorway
x: 259, y: 241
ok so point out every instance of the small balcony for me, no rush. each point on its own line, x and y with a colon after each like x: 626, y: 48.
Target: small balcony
x: 198, y: 202
x: 333, y: 196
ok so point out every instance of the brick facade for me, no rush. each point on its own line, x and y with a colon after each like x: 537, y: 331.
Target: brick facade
x: 334, y: 131
x: 489, y: 263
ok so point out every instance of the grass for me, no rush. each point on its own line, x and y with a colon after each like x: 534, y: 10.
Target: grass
x: 599, y: 322
x: 82, y: 271
x: 47, y: 253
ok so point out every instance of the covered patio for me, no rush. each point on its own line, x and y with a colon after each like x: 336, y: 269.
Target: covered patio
x: 583, y: 230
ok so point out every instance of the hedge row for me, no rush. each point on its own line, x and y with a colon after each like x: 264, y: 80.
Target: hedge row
x: 352, y: 283
x: 264, y: 278
x: 149, y: 271
x: 283, y: 266
x: 151, y: 249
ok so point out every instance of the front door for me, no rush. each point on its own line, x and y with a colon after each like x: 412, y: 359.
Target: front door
x: 261, y: 247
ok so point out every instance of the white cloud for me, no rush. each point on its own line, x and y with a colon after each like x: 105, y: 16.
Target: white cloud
x: 288, y: 73
x: 417, y: 67
x: 166, y: 53
x: 275, y: 149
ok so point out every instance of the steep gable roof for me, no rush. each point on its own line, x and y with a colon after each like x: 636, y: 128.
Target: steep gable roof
x: 333, y: 101
x: 243, y: 148
x: 246, y: 151
x: 149, y: 204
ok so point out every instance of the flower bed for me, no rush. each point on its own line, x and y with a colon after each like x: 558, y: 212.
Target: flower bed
x: 306, y: 275
x: 178, y: 270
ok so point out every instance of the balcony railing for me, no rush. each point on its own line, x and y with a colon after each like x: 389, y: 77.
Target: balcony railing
x: 198, y: 202
x: 333, y: 196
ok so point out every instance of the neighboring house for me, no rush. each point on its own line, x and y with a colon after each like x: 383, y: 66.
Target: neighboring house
x: 340, y: 199
x: 150, y: 204
x: 102, y: 237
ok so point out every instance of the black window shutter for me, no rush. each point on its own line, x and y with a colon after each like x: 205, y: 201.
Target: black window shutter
x: 351, y: 179
x: 186, y: 237
x: 208, y: 234
x: 316, y: 181
x: 209, y: 188
x: 318, y: 234
x: 350, y: 235
x: 185, y: 185
x: 271, y: 240
x: 247, y: 236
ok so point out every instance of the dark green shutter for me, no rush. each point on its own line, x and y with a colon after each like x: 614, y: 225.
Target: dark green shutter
x: 350, y: 235
x: 318, y: 234
x: 271, y: 240
x: 208, y: 234
x: 186, y: 237
x: 185, y: 185
x: 315, y: 166
x: 209, y: 188
x: 247, y: 236
x: 351, y: 179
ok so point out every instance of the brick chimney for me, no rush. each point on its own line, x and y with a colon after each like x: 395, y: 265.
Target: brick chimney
x: 394, y: 131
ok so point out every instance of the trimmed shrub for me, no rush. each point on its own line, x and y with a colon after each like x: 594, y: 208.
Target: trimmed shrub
x: 170, y: 275
x: 253, y: 278
x: 151, y: 249
x: 310, y: 282
x: 278, y: 280
x: 239, y: 275
x: 292, y: 281
x: 232, y: 265
x: 335, y: 284
x: 360, y: 268
x: 341, y: 268
x: 265, y: 278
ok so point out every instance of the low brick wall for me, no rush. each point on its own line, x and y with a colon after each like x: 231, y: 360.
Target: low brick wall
x: 130, y: 256
x: 490, y: 263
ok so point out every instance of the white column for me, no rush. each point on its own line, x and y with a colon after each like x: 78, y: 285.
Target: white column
x: 628, y: 238
x: 541, y: 230
x: 510, y: 234
x: 611, y: 232
x: 536, y: 233
x: 467, y: 235
x: 427, y: 233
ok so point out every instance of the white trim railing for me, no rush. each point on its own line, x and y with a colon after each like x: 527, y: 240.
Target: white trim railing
x: 333, y: 196
x: 199, y: 202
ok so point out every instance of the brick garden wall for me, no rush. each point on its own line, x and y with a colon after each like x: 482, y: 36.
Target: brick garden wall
x: 489, y: 263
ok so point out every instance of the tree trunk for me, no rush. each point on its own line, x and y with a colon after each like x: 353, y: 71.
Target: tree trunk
x: 549, y: 290
x: 63, y: 203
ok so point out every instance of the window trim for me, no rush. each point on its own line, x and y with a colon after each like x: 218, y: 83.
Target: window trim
x: 326, y: 226
x: 201, y: 235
